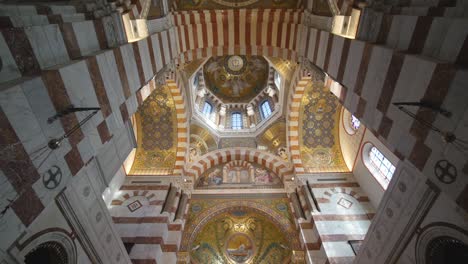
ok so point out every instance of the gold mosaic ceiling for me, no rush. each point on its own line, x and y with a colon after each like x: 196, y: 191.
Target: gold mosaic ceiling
x: 227, y: 4
x: 157, y: 135
x: 236, y: 78
x: 201, y: 142
x: 318, y: 129
x: 252, y: 230
x: 240, y: 237
x: 274, y: 139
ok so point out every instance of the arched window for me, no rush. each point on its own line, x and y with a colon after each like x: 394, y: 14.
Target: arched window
x: 379, y: 166
x: 207, y: 108
x: 265, y: 109
x: 49, y: 252
x: 236, y: 120
x: 355, y: 123
x: 277, y: 80
x: 196, y: 80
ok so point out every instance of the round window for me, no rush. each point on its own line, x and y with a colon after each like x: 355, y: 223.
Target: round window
x: 446, y: 249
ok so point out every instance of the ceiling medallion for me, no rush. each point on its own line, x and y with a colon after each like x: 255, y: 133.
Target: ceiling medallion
x: 235, y: 64
x: 240, y: 248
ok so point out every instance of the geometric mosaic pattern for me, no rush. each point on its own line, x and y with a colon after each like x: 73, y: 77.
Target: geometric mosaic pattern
x: 318, y: 122
x: 157, y: 134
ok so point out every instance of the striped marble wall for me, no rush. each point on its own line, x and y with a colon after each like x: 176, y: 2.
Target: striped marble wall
x: 139, y: 217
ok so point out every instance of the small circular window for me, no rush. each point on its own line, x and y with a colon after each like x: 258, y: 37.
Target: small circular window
x: 446, y: 249
x: 355, y: 123
x: 351, y: 123
x: 50, y: 252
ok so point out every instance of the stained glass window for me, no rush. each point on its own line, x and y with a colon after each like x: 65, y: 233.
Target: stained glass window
x: 236, y: 120
x: 355, y: 123
x: 384, y: 169
x: 207, y: 108
x: 265, y: 109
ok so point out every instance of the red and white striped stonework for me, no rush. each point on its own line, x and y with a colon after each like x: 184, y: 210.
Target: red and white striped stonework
x: 268, y: 32
x: 323, y: 233
x: 371, y: 77
x: 294, y: 102
x: 111, y: 79
x: 155, y: 234
x: 182, y: 126
x: 211, y: 159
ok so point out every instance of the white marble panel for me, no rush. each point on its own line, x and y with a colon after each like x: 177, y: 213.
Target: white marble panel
x: 335, y: 55
x: 112, y: 82
x: 130, y: 67
x: 86, y: 37
x: 342, y: 227
x: 168, y: 257
x: 142, y: 230
x: 21, y: 117
x: 40, y: 45
x: 338, y: 249
x: 166, y: 47
x: 312, y: 42
x: 80, y: 89
x: 56, y: 44
x: 401, y: 31
x: 26, y: 10
x: 375, y: 78
x: 352, y: 64
x: 157, y: 50
x: 122, y: 140
x: 9, y: 69
x: 109, y: 161
x: 322, y: 50
x: 132, y: 104
x: 10, y: 224
x: 436, y: 36
x: 145, y: 59
x: 146, y: 251
x: 73, y: 18
x: 453, y: 41
x: 63, y: 9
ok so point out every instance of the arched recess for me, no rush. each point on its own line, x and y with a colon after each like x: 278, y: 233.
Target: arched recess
x: 294, y: 105
x: 280, y: 221
x: 272, y: 162
x: 53, y: 235
x: 177, y: 103
x: 313, y: 124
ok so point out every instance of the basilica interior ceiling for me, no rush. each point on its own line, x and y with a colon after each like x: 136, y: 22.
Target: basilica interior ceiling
x: 243, y: 231
x: 157, y: 134
x: 236, y: 78
x: 227, y: 4
x: 318, y: 129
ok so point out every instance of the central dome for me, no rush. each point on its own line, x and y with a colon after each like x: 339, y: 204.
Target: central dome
x: 236, y: 78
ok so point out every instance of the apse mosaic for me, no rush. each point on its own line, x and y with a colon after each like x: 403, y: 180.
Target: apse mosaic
x: 236, y: 78
x: 238, y: 174
x: 240, y: 236
x: 157, y: 135
x: 224, y: 4
x: 319, y: 117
